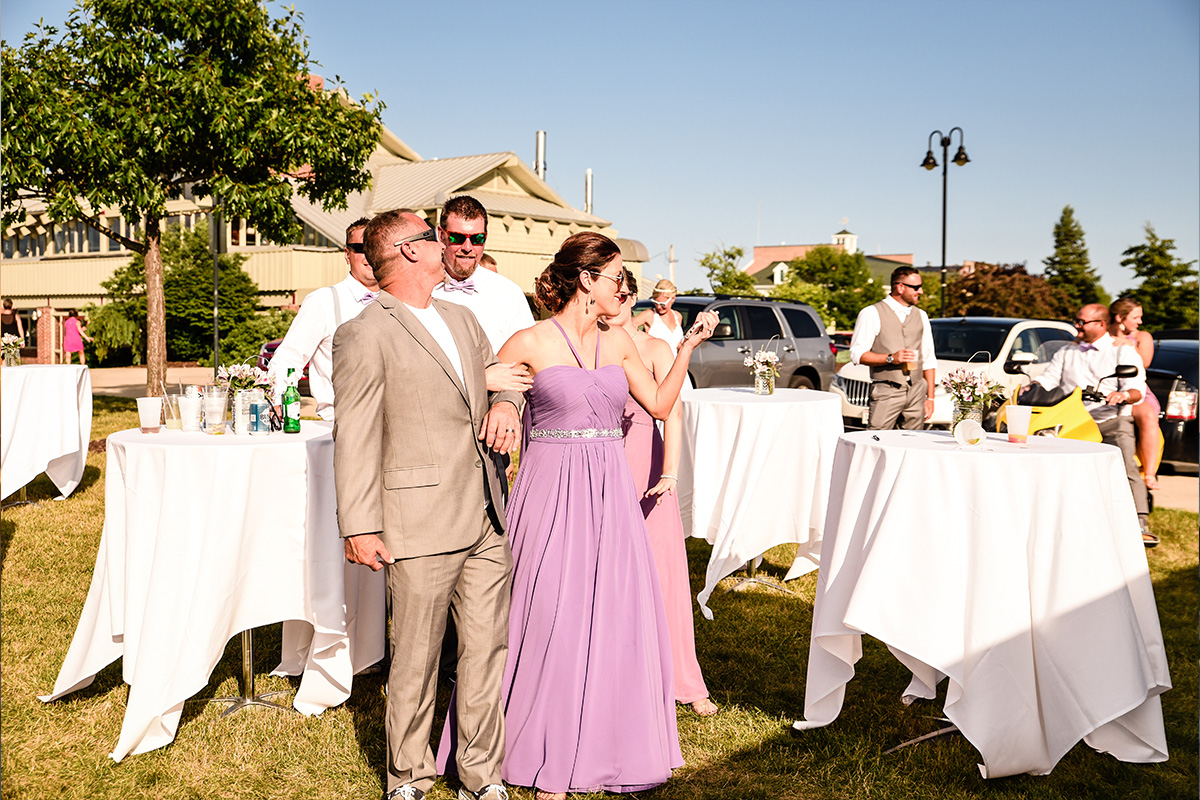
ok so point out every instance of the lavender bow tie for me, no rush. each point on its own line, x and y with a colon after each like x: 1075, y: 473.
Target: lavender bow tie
x: 368, y: 297
x: 1084, y: 347
x: 466, y: 287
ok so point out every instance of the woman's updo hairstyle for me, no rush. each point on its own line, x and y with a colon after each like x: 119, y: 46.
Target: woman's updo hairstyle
x: 631, y: 283
x: 585, y: 251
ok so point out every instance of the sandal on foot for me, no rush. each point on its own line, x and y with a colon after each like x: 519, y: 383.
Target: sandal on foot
x: 704, y: 707
x: 543, y: 795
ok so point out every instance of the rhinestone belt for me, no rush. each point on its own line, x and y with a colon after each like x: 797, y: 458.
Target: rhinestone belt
x: 580, y: 433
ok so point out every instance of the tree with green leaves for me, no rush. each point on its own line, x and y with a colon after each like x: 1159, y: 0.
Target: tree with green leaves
x: 1069, y: 267
x: 1006, y: 290
x: 187, y: 290
x: 724, y: 274
x: 796, y: 291
x: 846, y: 278
x: 136, y: 102
x: 1168, y: 291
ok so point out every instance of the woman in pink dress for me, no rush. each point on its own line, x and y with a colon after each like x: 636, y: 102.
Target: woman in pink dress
x: 1126, y: 319
x: 74, y: 332
x: 654, y: 461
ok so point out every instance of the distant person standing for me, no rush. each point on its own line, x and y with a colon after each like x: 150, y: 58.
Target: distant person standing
x: 74, y: 334
x: 661, y: 320
x: 894, y: 339
x: 10, y: 321
x: 498, y: 303
x: 309, y: 340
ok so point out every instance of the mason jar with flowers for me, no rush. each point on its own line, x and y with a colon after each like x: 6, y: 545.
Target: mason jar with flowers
x: 241, y: 380
x: 12, y: 350
x: 972, y: 393
x: 764, y: 366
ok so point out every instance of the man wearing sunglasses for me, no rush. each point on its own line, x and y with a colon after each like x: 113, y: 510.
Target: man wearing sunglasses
x: 309, y: 340
x: 1086, y: 362
x: 498, y: 303
x: 418, y: 494
x: 894, y: 339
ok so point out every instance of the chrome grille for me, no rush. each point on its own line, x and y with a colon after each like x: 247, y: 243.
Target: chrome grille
x: 857, y: 392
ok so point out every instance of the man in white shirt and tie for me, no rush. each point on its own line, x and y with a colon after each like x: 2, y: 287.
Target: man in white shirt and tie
x: 1086, y: 362
x: 498, y: 303
x: 309, y: 340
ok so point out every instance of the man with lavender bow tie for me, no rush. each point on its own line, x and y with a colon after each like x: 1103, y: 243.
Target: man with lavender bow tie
x: 1092, y: 357
x: 309, y: 340
x: 498, y: 303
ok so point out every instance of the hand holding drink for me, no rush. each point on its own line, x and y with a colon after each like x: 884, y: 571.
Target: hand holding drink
x: 908, y: 360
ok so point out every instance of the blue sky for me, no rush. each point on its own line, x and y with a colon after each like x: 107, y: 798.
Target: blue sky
x: 714, y: 123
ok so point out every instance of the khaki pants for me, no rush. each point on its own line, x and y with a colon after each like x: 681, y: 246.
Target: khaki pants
x: 1118, y: 431
x: 890, y: 405
x: 474, y: 584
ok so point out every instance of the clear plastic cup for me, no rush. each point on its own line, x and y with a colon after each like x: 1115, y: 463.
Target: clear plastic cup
x: 214, y: 400
x: 1018, y: 418
x: 191, y: 411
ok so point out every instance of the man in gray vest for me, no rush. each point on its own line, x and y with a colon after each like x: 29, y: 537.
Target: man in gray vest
x: 894, y: 339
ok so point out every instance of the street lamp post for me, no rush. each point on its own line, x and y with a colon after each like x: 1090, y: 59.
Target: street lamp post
x: 931, y: 163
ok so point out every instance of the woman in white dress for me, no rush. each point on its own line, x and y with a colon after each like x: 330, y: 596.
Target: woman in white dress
x: 661, y: 320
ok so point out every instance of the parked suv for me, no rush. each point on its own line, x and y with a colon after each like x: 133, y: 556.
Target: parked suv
x: 806, y: 354
x: 983, y: 344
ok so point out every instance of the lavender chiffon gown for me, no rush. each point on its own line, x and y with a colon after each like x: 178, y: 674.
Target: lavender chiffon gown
x: 644, y: 450
x: 588, y: 694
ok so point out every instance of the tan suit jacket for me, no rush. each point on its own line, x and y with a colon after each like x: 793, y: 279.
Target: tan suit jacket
x: 408, y: 463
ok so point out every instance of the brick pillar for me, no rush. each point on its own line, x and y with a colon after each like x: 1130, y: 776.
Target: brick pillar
x: 48, y: 334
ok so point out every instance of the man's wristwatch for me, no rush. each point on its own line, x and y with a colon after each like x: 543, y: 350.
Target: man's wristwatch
x: 889, y: 359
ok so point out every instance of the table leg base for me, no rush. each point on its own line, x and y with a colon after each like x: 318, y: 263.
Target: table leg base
x: 22, y: 500
x: 254, y: 700
x: 744, y: 583
x: 939, y: 732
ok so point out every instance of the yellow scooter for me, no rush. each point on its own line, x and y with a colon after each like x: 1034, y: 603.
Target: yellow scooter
x: 1068, y: 417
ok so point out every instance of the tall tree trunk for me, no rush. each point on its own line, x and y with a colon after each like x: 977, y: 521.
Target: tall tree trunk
x: 156, y: 319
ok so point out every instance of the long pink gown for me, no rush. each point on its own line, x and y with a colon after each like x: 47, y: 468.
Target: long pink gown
x: 644, y: 451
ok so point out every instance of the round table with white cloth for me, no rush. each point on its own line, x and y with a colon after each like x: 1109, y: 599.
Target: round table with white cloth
x: 47, y: 421
x: 1018, y: 572
x: 205, y: 537
x: 754, y: 473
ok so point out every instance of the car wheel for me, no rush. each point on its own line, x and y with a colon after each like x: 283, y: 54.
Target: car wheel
x: 801, y: 382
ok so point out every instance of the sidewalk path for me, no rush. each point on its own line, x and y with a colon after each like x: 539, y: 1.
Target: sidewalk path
x: 131, y: 382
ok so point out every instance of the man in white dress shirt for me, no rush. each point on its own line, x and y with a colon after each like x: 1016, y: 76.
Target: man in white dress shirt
x: 498, y: 303
x: 309, y: 340
x: 894, y: 339
x: 1095, y: 355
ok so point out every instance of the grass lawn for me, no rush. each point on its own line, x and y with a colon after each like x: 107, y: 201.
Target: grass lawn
x: 754, y: 656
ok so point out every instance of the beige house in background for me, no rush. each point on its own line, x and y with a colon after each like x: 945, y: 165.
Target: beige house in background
x: 61, y: 265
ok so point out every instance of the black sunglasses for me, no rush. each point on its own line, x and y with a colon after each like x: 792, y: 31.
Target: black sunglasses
x: 354, y: 247
x: 429, y: 234
x: 912, y: 285
x: 458, y: 238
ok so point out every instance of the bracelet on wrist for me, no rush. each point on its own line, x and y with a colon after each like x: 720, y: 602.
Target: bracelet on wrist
x: 672, y: 477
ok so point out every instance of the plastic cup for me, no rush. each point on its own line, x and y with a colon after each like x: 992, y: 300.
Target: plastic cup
x: 214, y: 399
x: 150, y: 414
x: 171, y: 412
x: 190, y: 411
x: 1018, y: 423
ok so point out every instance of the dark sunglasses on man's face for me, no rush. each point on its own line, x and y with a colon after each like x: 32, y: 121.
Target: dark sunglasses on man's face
x: 458, y: 238
x: 429, y: 234
x: 354, y: 247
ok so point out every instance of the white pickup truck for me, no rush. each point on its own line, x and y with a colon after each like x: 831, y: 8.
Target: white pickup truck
x: 977, y: 343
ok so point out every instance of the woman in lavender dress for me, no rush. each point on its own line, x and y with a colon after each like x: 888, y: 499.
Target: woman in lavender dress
x: 588, y: 693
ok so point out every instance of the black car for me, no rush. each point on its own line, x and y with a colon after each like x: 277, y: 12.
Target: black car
x: 1173, y: 378
x: 745, y: 325
x: 267, y: 352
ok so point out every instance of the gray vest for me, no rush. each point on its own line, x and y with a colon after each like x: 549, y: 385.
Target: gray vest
x: 895, y: 336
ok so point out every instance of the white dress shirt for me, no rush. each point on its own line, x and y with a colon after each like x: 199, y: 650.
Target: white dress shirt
x: 867, y: 326
x: 431, y: 319
x: 1079, y: 364
x: 310, y: 339
x: 498, y: 304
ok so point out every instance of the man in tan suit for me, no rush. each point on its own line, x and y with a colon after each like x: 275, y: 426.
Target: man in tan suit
x: 418, y: 491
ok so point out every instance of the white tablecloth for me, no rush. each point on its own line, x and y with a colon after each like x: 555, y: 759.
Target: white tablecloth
x: 1019, y: 573
x: 47, y: 421
x: 754, y: 473
x: 208, y: 536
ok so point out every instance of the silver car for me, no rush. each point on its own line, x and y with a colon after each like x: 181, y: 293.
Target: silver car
x: 745, y: 325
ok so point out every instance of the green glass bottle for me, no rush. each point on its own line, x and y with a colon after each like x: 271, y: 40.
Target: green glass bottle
x: 291, y: 404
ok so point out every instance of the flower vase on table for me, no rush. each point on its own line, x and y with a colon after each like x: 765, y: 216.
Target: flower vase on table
x: 973, y: 411
x: 12, y: 350
x: 764, y: 366
x: 972, y: 393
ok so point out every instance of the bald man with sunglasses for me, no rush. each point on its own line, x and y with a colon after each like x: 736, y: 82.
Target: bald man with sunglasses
x: 498, y: 303
x: 309, y: 340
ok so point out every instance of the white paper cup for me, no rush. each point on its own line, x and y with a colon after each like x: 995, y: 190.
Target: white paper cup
x: 150, y: 414
x: 1018, y: 423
